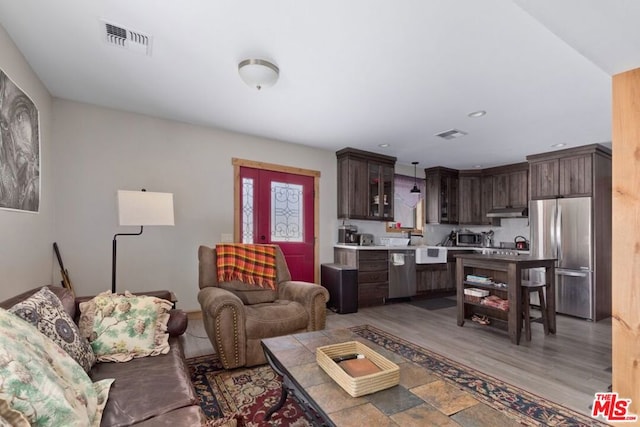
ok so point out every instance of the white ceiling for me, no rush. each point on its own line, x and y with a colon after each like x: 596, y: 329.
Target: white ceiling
x: 358, y: 73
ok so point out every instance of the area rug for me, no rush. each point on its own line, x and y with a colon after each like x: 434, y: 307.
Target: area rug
x: 525, y: 407
x: 250, y: 392
x: 247, y: 392
x: 434, y: 303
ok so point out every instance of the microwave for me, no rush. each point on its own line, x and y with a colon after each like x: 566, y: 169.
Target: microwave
x: 467, y: 238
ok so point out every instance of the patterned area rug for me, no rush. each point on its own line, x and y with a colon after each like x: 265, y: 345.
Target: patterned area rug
x: 525, y: 407
x: 248, y: 392
x: 251, y: 392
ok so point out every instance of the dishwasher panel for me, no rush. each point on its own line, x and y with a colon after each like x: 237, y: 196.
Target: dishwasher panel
x: 402, y: 273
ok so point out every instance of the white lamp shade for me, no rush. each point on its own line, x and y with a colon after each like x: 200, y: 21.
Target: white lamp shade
x: 145, y: 208
x: 258, y: 73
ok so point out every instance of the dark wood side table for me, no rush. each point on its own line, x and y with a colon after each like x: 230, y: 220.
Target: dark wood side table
x: 510, y: 268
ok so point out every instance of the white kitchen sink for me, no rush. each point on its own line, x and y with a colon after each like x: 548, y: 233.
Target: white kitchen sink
x: 394, y: 241
x: 431, y: 255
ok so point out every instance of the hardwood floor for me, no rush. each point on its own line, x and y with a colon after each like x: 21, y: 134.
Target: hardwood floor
x: 567, y: 368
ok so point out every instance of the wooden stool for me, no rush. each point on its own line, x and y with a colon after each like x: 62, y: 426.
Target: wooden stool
x: 540, y: 288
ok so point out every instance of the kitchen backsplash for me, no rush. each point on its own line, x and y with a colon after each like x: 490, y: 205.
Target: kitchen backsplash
x: 509, y: 228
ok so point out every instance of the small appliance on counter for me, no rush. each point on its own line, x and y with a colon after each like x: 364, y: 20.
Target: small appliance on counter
x: 487, y: 239
x: 469, y: 238
x: 521, y: 243
x: 347, y: 234
x: 364, y: 239
x: 449, y: 240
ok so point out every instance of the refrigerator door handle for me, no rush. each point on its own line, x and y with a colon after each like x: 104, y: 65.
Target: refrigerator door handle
x: 558, y: 231
x: 552, y: 231
x: 571, y: 273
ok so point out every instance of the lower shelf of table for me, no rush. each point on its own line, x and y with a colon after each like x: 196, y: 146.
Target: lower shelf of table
x: 497, y: 318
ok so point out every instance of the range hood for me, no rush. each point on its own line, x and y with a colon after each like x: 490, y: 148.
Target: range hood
x: 508, y: 213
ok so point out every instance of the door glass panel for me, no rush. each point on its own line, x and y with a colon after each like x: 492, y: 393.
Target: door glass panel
x: 286, y: 212
x: 247, y: 210
x: 374, y: 190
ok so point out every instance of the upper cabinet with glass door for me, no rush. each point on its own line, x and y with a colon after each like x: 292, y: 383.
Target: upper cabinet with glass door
x: 365, y: 185
x: 442, y: 195
x: 380, y: 191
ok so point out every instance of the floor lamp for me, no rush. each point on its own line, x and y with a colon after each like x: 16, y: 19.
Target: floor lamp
x: 140, y: 208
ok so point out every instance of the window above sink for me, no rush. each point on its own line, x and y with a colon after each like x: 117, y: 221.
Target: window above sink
x: 408, y: 207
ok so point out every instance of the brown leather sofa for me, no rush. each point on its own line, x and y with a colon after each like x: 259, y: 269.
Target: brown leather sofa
x: 238, y: 316
x: 149, y: 391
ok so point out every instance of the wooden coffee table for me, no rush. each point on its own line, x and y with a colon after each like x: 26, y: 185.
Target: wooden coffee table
x: 326, y: 403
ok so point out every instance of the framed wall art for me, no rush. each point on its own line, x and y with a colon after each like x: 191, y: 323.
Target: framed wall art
x: 19, y: 149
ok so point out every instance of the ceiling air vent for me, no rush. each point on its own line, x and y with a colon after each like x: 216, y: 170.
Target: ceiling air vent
x: 134, y: 41
x: 451, y: 134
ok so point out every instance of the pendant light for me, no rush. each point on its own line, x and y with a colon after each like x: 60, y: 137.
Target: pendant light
x: 415, y: 188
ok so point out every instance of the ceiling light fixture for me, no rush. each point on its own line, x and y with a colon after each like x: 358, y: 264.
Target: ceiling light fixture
x: 384, y: 145
x: 476, y: 114
x: 559, y: 145
x: 415, y: 188
x: 258, y: 73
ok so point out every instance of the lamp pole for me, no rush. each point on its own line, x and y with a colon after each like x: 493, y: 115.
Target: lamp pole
x: 113, y: 256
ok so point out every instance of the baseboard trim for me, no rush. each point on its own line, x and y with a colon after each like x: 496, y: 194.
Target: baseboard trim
x: 194, y: 315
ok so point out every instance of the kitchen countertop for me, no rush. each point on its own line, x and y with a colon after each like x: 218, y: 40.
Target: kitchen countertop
x: 452, y: 248
x: 506, y: 258
x: 375, y: 247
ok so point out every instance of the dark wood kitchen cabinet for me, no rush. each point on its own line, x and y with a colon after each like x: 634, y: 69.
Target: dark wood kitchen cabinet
x: 365, y: 185
x: 441, y: 195
x: 475, y: 198
x: 486, y: 199
x: 373, y: 273
x: 566, y: 173
x: 433, y: 277
x: 510, y: 186
x: 470, y: 196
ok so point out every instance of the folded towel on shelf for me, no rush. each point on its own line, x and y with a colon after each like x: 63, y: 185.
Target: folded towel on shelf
x: 496, y: 302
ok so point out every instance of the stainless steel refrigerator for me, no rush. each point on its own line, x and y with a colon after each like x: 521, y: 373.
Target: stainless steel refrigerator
x: 563, y: 229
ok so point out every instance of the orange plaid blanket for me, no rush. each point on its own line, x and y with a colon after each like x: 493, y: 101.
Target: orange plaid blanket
x: 251, y: 264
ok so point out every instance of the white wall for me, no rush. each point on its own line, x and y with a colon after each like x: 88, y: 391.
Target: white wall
x: 99, y: 151
x: 507, y: 231
x: 26, y: 254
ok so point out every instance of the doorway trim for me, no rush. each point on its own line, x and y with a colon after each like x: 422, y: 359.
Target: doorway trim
x: 237, y: 209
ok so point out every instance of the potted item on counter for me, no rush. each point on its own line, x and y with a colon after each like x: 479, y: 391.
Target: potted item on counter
x: 521, y: 243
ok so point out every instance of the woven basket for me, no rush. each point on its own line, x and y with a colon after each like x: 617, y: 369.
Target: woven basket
x: 358, y: 386
x: 473, y: 299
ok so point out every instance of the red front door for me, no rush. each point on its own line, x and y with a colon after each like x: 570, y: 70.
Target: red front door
x: 277, y: 208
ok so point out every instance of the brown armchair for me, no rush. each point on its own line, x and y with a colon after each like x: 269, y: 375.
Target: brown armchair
x: 238, y: 316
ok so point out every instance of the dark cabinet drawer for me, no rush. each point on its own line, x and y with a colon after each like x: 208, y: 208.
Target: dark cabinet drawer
x: 373, y: 276
x: 367, y: 255
x: 373, y: 266
x: 372, y: 294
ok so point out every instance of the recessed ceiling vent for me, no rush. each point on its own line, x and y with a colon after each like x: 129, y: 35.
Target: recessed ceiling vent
x: 134, y: 41
x: 451, y: 134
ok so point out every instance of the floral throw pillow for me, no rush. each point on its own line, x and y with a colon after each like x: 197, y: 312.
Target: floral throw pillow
x: 10, y: 417
x: 122, y: 327
x: 42, y: 382
x: 45, y: 311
